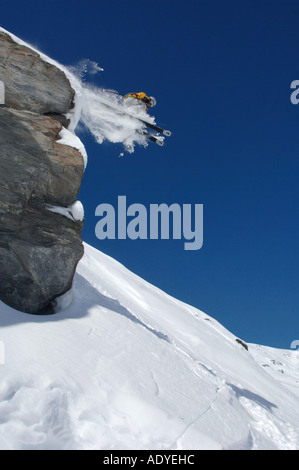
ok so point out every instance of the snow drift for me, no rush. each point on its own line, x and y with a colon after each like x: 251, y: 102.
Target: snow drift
x: 126, y: 366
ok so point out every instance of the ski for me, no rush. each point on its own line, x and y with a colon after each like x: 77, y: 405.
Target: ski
x: 149, y: 125
x: 152, y: 138
x: 153, y: 126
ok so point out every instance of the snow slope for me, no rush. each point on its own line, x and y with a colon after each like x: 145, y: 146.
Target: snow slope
x: 126, y: 366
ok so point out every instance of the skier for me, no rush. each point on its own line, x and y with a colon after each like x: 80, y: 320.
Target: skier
x: 139, y: 101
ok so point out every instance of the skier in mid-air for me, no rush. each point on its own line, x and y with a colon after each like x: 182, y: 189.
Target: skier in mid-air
x: 139, y: 99
x: 138, y: 103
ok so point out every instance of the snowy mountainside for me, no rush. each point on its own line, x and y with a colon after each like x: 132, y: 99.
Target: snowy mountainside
x: 126, y: 366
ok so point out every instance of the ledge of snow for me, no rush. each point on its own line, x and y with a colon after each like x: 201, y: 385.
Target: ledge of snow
x: 72, y: 140
x: 73, y: 212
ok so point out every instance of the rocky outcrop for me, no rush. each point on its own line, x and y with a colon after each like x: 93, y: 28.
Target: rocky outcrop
x: 30, y: 82
x: 39, y: 249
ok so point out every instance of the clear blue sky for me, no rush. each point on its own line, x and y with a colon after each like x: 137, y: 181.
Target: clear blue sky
x: 221, y: 72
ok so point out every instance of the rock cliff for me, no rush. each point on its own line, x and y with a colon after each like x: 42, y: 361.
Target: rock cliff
x: 39, y: 249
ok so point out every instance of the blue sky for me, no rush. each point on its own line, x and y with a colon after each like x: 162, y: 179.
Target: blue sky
x: 221, y: 73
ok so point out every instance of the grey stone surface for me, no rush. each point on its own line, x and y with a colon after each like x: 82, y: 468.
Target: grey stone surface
x: 30, y: 82
x: 39, y: 249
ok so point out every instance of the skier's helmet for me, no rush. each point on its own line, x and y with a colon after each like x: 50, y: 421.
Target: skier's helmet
x: 153, y: 101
